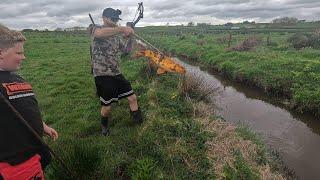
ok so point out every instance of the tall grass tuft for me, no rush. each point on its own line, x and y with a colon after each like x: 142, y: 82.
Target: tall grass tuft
x: 195, y: 86
x: 144, y: 168
x: 247, y: 45
x: 82, y: 159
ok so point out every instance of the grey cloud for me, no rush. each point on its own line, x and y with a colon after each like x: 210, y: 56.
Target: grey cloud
x: 215, y: 2
x: 302, y: 1
x: 169, y: 4
x: 64, y: 13
x: 240, y: 10
x: 71, y: 10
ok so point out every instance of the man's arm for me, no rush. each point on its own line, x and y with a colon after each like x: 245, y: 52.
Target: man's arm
x: 110, y: 31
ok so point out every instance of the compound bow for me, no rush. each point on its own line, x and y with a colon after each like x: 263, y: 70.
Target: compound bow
x: 140, y: 10
x: 132, y: 24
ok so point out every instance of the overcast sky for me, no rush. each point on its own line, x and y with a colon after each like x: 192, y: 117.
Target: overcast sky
x: 42, y: 14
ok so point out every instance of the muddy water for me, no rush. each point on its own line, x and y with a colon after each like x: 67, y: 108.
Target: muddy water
x: 295, y: 137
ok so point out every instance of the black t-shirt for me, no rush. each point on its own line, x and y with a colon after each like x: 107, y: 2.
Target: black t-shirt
x: 17, y: 143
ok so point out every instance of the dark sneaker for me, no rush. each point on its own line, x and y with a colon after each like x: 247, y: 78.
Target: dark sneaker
x: 104, y: 131
x: 137, y: 116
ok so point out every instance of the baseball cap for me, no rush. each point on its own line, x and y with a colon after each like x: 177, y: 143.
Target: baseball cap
x: 112, y: 14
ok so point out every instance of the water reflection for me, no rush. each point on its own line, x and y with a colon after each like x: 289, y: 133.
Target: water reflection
x: 296, y: 137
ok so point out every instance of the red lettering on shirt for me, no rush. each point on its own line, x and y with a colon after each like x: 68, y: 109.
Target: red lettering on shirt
x: 13, y: 88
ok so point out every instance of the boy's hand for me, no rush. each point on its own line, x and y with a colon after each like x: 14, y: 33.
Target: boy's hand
x: 50, y: 132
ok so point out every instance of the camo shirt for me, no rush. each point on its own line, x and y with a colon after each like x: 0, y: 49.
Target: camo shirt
x: 105, y: 54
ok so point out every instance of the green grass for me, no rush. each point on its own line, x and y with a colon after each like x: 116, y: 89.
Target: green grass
x: 168, y: 145
x: 245, y: 132
x: 241, y: 169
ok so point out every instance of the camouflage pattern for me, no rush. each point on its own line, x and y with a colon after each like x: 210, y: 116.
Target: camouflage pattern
x: 105, y: 53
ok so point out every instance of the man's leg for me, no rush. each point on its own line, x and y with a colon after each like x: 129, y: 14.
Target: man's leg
x: 105, y: 111
x: 133, y: 102
x: 134, y: 109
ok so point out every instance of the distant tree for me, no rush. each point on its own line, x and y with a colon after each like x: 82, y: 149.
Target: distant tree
x: 191, y: 23
x: 58, y: 29
x: 77, y: 28
x: 228, y: 24
x: 27, y: 30
x: 248, y: 22
x: 285, y: 21
x: 203, y: 24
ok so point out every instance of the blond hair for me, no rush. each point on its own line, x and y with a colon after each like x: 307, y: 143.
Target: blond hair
x: 8, y: 38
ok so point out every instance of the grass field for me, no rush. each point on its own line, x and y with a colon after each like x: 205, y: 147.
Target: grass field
x: 172, y: 143
x: 278, y: 68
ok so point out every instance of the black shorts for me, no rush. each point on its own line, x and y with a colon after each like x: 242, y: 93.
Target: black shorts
x: 112, y: 88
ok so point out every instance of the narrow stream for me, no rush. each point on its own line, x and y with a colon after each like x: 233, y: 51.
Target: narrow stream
x: 295, y: 137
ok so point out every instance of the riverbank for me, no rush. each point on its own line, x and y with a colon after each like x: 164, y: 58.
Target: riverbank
x: 288, y: 74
